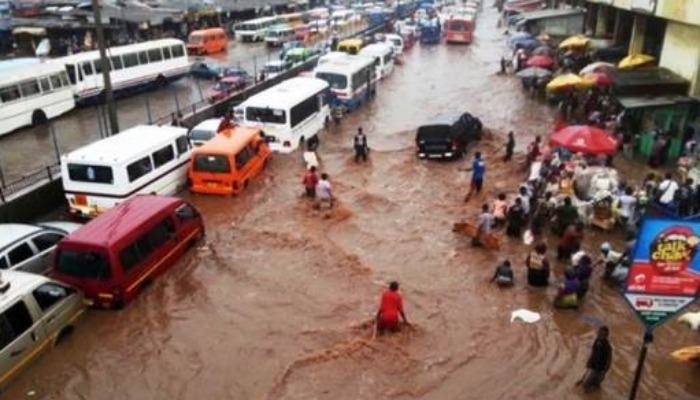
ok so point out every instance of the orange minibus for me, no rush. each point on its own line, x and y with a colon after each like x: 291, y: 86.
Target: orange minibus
x: 116, y: 254
x: 207, y: 41
x: 226, y: 163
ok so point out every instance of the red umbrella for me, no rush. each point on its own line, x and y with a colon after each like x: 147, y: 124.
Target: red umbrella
x: 598, y: 78
x: 584, y: 139
x: 540, y: 61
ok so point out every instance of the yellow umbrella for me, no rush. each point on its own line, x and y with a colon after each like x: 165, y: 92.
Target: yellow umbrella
x: 635, y: 60
x: 566, y: 81
x: 574, y: 41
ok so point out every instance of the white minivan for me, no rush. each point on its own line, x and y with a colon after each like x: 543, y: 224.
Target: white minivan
x: 383, y: 54
x: 36, y: 313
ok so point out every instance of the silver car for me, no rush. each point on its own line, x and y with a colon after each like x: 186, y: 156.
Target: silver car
x: 35, y: 314
x: 30, y: 247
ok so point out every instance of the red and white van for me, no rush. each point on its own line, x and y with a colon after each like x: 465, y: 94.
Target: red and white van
x: 122, y: 250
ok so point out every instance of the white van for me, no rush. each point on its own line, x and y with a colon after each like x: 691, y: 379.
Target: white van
x: 35, y: 314
x: 288, y: 113
x: 142, y: 160
x: 383, y: 54
x: 333, y: 55
x: 279, y: 35
x: 204, y: 131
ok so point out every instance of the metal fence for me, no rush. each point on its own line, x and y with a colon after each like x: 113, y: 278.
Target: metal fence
x: 189, y: 112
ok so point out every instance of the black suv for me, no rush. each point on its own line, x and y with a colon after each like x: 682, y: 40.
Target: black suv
x: 447, y: 135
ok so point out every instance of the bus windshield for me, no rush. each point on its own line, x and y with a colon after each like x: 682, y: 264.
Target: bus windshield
x: 214, y: 163
x: 335, y: 81
x: 90, y: 173
x: 90, y: 265
x: 268, y: 115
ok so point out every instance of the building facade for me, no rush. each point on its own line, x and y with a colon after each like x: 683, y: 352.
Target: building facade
x: 666, y: 29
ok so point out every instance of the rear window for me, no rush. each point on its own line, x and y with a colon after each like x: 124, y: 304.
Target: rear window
x: 433, y: 132
x: 212, y: 163
x: 84, y: 265
x: 90, y: 173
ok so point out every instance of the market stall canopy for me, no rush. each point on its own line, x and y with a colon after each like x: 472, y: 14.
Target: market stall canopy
x: 574, y: 41
x: 584, y: 139
x: 566, y: 81
x: 635, y: 60
x: 534, y: 72
x: 598, y: 66
x: 540, y: 61
x: 647, y: 82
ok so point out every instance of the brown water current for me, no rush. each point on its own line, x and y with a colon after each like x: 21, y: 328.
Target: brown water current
x: 277, y: 302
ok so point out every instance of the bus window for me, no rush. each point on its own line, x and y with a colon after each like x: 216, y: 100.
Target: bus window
x: 8, y: 94
x: 87, y: 68
x: 45, y: 84
x: 56, y: 82
x: 98, y: 66
x: 29, y: 88
x: 64, y: 78
x: 139, y: 168
x: 155, y: 55
x: 266, y: 115
x: 116, y: 62
x: 163, y: 156
x: 166, y: 53
x: 130, y: 60
x: 71, y: 73
x: 215, y: 163
x: 183, y: 145
x: 178, y: 51
x: 143, y: 58
x: 243, y: 157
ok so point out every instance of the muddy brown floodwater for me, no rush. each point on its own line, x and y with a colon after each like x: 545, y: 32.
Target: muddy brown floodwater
x: 276, y: 304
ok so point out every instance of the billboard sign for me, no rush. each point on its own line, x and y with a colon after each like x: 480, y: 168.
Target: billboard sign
x: 665, y: 273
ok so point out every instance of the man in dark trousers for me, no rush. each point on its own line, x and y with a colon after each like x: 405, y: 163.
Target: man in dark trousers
x: 510, y: 147
x: 360, y: 144
x: 599, y: 361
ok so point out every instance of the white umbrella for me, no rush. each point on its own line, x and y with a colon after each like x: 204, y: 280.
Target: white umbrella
x: 597, y: 67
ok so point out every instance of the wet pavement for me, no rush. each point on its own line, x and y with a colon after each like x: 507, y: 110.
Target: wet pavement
x: 277, y: 303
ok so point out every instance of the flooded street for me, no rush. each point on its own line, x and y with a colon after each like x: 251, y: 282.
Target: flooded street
x: 277, y: 303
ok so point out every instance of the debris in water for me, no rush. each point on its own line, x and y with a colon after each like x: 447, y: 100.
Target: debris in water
x: 525, y: 316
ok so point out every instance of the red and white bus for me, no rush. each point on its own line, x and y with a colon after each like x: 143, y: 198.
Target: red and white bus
x: 115, y: 255
x: 459, y: 29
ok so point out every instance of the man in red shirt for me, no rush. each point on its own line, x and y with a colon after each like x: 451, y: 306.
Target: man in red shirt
x: 390, y: 307
x: 310, y: 181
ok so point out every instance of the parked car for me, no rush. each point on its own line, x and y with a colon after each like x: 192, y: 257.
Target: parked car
x: 225, y: 87
x: 204, y: 131
x: 29, y: 247
x: 206, y: 70
x: 36, y: 313
x: 274, y: 68
x: 447, y: 135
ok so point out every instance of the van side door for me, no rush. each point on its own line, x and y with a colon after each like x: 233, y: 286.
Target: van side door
x: 245, y: 164
x: 19, y: 337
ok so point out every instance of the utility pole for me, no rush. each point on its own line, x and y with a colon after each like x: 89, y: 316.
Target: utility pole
x: 106, y: 67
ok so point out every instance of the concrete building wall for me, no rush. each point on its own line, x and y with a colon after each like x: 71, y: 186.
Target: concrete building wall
x: 686, y: 11
x: 681, y: 52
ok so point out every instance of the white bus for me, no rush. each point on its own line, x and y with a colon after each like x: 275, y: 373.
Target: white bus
x: 279, y: 35
x: 149, y: 63
x: 383, y: 54
x: 342, y: 18
x: 32, y: 94
x: 254, y: 30
x: 350, y: 78
x: 142, y: 159
x: 288, y: 113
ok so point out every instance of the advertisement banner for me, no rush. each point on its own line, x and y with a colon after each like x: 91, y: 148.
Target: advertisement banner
x: 665, y: 272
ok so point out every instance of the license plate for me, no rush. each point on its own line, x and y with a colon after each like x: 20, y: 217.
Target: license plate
x: 212, y: 184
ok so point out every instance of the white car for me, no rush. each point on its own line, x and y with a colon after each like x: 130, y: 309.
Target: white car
x: 30, y: 247
x: 204, y: 131
x: 396, y: 42
x: 276, y: 67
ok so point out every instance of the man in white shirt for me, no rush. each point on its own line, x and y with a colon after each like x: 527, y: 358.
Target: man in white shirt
x: 628, y: 204
x: 667, y: 190
x: 324, y: 194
